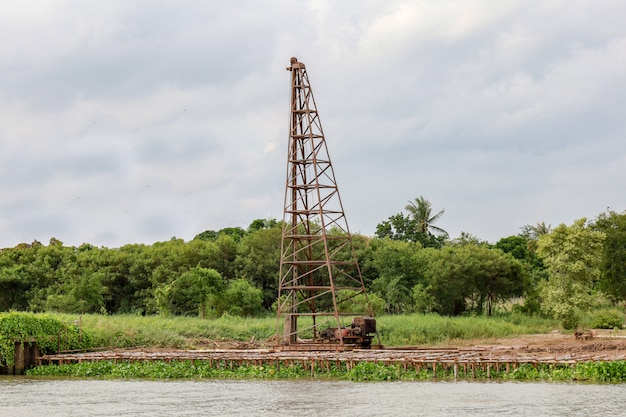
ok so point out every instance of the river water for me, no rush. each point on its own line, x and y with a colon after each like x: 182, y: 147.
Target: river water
x: 23, y: 396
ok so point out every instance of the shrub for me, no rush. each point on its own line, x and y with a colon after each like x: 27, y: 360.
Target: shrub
x: 241, y: 299
x: 607, y: 319
x: 49, y: 334
x: 570, y: 319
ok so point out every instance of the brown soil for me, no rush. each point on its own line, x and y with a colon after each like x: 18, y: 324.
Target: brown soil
x: 597, y: 344
x: 606, y: 343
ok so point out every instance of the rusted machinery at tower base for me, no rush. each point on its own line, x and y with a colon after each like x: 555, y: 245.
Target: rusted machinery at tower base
x: 359, y: 334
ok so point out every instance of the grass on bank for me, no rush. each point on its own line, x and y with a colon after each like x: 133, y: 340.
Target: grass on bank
x: 176, y: 332
x: 416, y: 330
x: 432, y: 329
x: 189, y: 332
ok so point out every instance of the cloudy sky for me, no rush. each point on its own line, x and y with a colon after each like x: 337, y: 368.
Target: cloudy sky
x: 134, y: 121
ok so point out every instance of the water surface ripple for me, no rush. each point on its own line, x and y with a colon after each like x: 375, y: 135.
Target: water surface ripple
x: 22, y: 396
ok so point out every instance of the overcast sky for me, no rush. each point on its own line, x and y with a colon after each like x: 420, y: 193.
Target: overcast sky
x: 126, y: 121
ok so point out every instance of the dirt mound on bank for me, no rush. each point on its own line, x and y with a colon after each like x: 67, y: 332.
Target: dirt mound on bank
x: 605, y: 342
x: 608, y: 343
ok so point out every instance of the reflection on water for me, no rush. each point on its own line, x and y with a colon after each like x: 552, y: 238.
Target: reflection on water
x: 21, y: 396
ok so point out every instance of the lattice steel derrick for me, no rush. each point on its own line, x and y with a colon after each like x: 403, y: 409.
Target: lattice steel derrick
x: 319, y: 274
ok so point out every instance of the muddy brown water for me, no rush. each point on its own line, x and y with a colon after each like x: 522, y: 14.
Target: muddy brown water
x: 23, y: 396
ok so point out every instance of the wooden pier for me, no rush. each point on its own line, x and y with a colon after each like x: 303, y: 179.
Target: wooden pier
x: 469, y: 361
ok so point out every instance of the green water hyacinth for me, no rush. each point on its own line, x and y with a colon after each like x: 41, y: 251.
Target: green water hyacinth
x: 598, y: 372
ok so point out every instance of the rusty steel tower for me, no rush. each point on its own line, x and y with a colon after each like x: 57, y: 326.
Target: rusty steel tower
x: 320, y: 283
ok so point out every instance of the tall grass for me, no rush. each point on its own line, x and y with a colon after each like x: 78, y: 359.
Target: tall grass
x: 428, y: 329
x: 171, y: 331
x: 192, y: 332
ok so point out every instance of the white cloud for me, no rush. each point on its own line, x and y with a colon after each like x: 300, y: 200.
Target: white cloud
x: 138, y: 121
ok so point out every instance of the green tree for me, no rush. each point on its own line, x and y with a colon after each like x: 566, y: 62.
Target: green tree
x: 259, y: 224
x: 416, y: 226
x: 206, y: 235
x: 137, y: 263
x: 523, y: 248
x: 445, y: 280
x: 398, y: 227
x: 468, y: 239
x: 47, y: 272
x: 17, y: 279
x: 258, y: 260
x: 613, y: 279
x: 573, y: 256
x: 497, y: 276
x: 364, y: 250
x: 420, y: 211
x: 517, y: 246
x: 423, y: 298
x: 13, y: 288
x: 167, y: 261
x: 241, y: 299
x: 121, y: 291
x: 468, y: 277
x: 236, y: 233
x: 81, y: 293
x: 223, y: 260
x: 358, y: 302
x: 398, y: 271
x: 535, y: 231
x: 195, y: 292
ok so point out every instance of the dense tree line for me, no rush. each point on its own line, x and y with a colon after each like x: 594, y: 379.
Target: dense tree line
x: 206, y: 276
x: 409, y: 266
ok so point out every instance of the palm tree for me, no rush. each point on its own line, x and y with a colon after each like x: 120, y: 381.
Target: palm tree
x: 536, y: 231
x: 541, y: 229
x: 420, y: 211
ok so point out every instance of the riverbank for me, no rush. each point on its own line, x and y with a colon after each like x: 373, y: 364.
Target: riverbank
x: 417, y: 347
x: 601, y: 357
x: 123, y: 331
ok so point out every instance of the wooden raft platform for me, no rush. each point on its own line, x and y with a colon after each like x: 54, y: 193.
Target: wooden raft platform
x: 471, y: 359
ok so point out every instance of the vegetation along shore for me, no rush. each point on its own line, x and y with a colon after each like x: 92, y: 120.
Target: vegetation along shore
x: 219, y: 290
x: 504, y: 335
